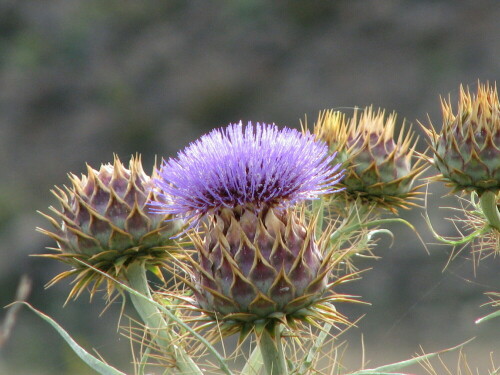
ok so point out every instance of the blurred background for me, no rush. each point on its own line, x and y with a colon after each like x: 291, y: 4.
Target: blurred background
x: 81, y: 80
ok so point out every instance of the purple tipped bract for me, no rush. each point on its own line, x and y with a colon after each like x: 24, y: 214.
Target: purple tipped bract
x: 253, y: 166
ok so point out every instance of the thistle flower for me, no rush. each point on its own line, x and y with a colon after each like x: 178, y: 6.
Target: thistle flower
x: 254, y: 167
x: 379, y: 168
x: 467, y: 150
x: 104, y: 221
x: 257, y: 258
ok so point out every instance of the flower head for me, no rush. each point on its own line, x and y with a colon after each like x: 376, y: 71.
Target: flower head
x: 379, y: 165
x: 104, y: 221
x: 253, y: 166
x: 467, y: 150
x: 257, y: 258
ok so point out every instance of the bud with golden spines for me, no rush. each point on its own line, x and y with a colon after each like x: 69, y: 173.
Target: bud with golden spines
x: 104, y: 221
x: 467, y: 150
x: 379, y: 167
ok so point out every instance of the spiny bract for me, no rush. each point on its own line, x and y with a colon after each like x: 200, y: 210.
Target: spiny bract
x: 104, y: 221
x: 467, y: 150
x: 379, y: 168
x: 255, y: 264
x: 257, y: 258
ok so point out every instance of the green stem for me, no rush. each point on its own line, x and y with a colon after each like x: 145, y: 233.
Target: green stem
x: 254, y: 363
x: 355, y: 219
x: 308, y: 361
x: 272, y: 351
x: 488, y: 202
x: 451, y: 241
x: 345, y: 231
x: 154, y: 321
x: 172, y: 317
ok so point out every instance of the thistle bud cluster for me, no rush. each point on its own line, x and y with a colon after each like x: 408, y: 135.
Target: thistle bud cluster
x: 247, y: 220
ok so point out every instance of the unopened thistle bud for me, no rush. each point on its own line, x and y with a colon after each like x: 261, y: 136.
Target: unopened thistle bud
x: 379, y: 167
x: 104, y: 221
x: 257, y: 258
x: 467, y: 150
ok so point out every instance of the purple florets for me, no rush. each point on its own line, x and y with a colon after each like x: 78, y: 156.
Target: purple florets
x: 253, y: 166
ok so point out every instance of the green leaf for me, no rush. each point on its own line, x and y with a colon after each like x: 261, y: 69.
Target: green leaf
x: 376, y: 232
x: 494, y: 314
x: 383, y: 370
x: 95, y: 363
x: 222, y: 362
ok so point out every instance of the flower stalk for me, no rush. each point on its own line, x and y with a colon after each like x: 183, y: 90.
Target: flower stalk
x: 272, y: 352
x: 488, y: 202
x: 254, y: 364
x: 154, y: 321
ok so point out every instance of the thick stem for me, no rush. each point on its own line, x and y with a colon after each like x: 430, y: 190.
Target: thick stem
x: 154, y: 321
x: 488, y: 202
x: 254, y: 363
x: 272, y: 351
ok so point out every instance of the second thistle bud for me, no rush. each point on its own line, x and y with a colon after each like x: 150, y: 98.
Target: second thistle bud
x: 379, y: 167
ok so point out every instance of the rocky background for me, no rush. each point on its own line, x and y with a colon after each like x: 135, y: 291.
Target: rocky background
x: 81, y: 80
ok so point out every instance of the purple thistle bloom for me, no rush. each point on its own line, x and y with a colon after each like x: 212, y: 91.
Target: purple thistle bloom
x: 254, y: 166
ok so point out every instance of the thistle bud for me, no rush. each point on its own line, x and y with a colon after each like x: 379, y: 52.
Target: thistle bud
x: 257, y: 258
x: 379, y: 168
x: 257, y: 264
x: 467, y: 150
x: 105, y: 222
